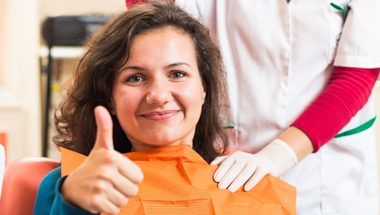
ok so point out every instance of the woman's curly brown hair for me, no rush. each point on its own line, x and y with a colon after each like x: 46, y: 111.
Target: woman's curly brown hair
x: 108, y: 50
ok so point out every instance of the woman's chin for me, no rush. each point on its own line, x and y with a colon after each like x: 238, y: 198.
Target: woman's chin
x: 157, y: 144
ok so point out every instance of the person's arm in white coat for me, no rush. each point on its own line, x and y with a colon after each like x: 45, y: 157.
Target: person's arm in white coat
x: 346, y: 93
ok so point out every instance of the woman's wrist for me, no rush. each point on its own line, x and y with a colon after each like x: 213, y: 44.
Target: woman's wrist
x: 63, y: 192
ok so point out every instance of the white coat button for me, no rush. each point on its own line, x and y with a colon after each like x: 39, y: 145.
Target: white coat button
x: 285, y: 72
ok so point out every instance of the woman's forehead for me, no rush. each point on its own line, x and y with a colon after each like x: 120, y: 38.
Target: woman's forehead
x: 162, y: 47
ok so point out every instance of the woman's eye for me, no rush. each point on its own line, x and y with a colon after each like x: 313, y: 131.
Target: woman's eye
x: 135, y: 79
x: 178, y: 74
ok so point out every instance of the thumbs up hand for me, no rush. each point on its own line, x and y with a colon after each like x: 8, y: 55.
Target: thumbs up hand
x: 106, y: 179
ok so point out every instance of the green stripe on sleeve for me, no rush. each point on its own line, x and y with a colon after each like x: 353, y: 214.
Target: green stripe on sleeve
x: 358, y: 129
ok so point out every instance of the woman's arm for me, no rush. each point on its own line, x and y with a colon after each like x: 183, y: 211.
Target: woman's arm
x: 46, y: 193
x: 49, y: 199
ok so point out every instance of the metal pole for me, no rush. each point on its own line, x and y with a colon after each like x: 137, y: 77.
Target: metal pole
x: 49, y: 73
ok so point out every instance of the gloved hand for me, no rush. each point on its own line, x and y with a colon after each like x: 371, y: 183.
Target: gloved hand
x: 244, y: 168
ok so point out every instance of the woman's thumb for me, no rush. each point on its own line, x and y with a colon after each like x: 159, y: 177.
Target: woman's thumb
x: 104, y: 128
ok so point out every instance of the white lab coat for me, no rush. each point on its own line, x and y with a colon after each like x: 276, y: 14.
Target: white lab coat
x: 279, y: 58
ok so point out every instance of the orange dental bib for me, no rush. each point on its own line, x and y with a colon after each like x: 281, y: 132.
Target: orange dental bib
x: 178, y: 181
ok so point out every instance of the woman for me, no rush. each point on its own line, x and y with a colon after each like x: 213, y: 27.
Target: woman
x: 160, y: 76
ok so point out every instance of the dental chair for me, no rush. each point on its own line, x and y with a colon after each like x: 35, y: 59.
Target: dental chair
x: 21, y: 181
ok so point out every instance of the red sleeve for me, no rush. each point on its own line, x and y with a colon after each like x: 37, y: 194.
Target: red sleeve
x: 346, y: 93
x: 130, y: 3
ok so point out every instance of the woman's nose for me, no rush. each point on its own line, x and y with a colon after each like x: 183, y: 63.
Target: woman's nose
x: 158, y: 93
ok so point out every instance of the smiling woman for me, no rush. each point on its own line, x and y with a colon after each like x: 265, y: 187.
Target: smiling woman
x: 151, y: 84
x: 159, y: 91
x: 127, y: 61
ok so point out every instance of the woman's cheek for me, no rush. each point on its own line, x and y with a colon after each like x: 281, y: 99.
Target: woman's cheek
x: 126, y: 100
x: 190, y: 95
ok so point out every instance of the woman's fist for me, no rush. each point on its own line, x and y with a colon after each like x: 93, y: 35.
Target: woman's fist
x: 106, y: 179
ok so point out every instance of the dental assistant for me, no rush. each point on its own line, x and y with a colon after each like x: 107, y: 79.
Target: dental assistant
x: 300, y: 76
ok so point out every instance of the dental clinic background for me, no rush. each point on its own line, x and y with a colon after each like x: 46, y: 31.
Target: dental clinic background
x: 23, y: 63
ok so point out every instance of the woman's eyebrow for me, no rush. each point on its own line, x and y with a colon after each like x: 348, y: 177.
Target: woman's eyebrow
x: 176, y: 64
x: 166, y: 67
x: 131, y: 67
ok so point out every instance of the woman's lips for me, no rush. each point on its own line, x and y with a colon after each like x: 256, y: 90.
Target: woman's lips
x: 162, y: 115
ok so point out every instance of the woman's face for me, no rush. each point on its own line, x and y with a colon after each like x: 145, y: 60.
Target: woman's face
x: 157, y: 94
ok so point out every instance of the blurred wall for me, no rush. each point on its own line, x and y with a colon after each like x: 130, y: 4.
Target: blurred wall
x: 64, y: 66
x: 21, y: 83
x: 79, y: 7
x: 19, y: 77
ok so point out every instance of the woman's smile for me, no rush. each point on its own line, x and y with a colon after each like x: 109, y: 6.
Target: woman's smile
x: 160, y: 115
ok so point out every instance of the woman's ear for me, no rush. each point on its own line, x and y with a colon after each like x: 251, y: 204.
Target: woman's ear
x: 203, y: 92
